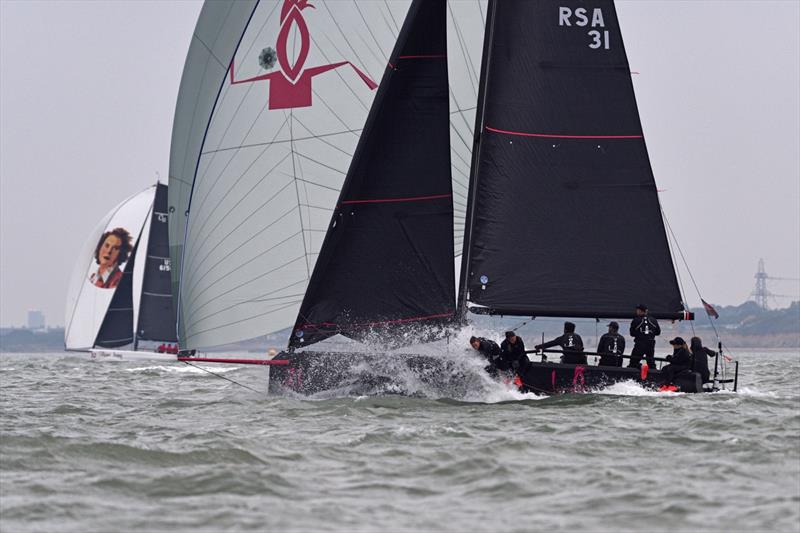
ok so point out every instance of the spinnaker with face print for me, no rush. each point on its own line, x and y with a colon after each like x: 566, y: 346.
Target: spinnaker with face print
x: 120, y: 292
x: 333, y: 165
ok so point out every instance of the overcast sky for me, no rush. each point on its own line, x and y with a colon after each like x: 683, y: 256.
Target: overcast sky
x: 88, y: 89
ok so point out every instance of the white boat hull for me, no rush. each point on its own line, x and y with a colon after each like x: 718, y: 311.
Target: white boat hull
x: 111, y: 354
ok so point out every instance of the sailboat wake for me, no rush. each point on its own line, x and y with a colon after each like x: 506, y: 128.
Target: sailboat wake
x: 455, y: 376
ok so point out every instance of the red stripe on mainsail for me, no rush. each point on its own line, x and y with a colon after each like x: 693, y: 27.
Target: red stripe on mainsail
x: 387, y: 200
x: 278, y: 362
x: 396, y: 321
x: 555, y: 136
x: 433, y: 56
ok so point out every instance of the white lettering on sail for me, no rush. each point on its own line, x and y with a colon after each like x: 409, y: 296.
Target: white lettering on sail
x: 597, y: 18
x: 597, y: 42
x: 580, y: 14
x: 563, y: 16
x: 579, y: 17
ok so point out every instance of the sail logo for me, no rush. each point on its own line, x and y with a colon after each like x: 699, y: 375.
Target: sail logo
x: 165, y: 266
x: 290, y: 86
x: 580, y: 17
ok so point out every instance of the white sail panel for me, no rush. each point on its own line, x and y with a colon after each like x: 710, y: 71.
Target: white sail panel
x: 99, y: 269
x: 215, y: 38
x: 465, y: 29
x: 278, y: 147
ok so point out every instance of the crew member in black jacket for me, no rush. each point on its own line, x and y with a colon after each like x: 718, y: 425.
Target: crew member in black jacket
x: 512, y: 353
x: 490, y: 350
x: 680, y: 360
x: 571, y: 343
x: 700, y: 355
x: 644, y: 330
x: 611, y: 346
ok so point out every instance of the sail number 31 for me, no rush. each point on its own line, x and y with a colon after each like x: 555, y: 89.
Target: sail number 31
x: 581, y: 17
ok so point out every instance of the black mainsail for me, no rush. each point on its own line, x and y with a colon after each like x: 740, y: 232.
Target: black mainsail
x: 565, y: 218
x: 386, y: 265
x: 156, y: 313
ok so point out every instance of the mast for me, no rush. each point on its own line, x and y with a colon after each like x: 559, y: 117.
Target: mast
x: 463, y: 291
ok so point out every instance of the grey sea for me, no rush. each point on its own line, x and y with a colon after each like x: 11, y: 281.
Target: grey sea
x: 89, y: 446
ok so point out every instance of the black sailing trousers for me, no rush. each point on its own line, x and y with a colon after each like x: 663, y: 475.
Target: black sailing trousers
x: 646, y: 348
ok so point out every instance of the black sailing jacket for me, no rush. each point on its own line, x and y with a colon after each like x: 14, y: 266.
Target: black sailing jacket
x: 700, y: 360
x: 572, y: 344
x: 512, y: 356
x: 644, y: 328
x: 611, y: 345
x: 680, y: 359
x: 489, y: 349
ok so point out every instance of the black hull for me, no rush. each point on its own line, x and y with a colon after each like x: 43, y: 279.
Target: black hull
x: 554, y: 378
x: 310, y: 373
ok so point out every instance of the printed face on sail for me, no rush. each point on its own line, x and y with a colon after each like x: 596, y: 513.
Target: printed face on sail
x: 109, y: 252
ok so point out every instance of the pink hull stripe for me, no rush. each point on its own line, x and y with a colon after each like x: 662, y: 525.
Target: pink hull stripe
x: 279, y: 362
x: 553, y: 136
x: 396, y: 321
x: 388, y: 200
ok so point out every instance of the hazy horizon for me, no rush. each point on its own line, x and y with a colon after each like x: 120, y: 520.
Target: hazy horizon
x: 88, y: 90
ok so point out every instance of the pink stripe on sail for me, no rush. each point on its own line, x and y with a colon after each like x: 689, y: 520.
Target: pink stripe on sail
x: 387, y: 200
x: 556, y: 136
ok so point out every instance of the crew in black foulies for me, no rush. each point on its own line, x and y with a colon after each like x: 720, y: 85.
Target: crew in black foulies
x: 512, y: 353
x: 611, y: 346
x: 644, y: 330
x: 571, y: 344
x: 490, y: 350
x: 680, y: 361
x: 700, y: 355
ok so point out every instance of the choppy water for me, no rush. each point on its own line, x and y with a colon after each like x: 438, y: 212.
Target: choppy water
x: 119, y: 446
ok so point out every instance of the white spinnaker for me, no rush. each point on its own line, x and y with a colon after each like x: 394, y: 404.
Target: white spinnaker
x: 86, y: 303
x: 271, y: 166
x: 215, y: 38
x: 139, y: 267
